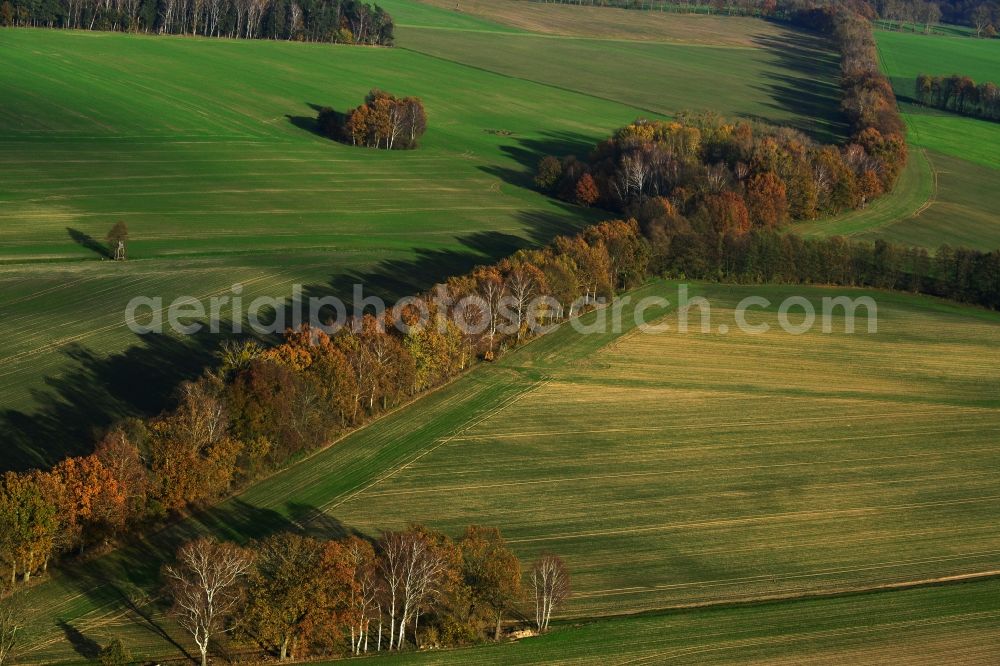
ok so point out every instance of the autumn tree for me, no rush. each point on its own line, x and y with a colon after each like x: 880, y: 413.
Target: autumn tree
x: 592, y: 267
x: 869, y: 187
x: 727, y: 213
x: 93, y: 502
x: 436, y: 350
x: 31, y: 522
x: 277, y: 411
x: 982, y: 18
x: 412, y: 565
x: 192, y: 455
x: 491, y: 288
x: 587, y: 193
x: 550, y: 584
x: 287, y: 589
x: 206, y: 586
x: 491, y: 570
x: 124, y: 463
x: 361, y: 600
x: 548, y: 173
x: 627, y: 251
x: 765, y: 199
x: 523, y: 281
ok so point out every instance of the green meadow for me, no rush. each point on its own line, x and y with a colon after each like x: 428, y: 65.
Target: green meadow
x: 206, y: 149
x: 924, y: 626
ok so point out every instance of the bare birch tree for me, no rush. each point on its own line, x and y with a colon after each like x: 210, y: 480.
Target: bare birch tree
x: 550, y: 582
x: 205, y: 587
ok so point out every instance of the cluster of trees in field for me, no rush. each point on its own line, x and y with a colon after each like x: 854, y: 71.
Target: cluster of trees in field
x: 761, y: 176
x: 743, y: 174
x: 341, y: 21
x: 959, y: 94
x: 296, y: 596
x: 383, y: 121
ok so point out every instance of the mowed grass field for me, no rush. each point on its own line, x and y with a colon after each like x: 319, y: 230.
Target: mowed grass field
x: 957, y: 202
x: 206, y: 149
x: 669, y: 469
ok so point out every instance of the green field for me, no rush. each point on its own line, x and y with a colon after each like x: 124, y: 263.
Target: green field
x: 206, y: 149
x: 216, y: 170
x: 741, y: 68
x: 927, y: 626
x: 962, y: 208
x: 669, y: 470
x: 948, y: 193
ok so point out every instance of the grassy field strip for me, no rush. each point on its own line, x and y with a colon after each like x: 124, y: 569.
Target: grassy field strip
x: 333, y: 504
x: 913, y: 193
x: 952, y: 623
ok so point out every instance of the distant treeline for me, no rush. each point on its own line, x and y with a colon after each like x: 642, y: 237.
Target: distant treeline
x: 341, y: 21
x: 728, y: 7
x: 981, y: 16
x: 959, y: 94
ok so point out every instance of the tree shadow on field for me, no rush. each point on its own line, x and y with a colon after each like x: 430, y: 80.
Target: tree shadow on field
x: 393, y: 279
x: 86, y: 647
x: 527, y: 152
x: 807, y: 85
x: 77, y: 406
x: 308, y: 123
x: 89, y: 242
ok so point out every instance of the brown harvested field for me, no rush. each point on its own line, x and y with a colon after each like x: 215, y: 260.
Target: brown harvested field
x: 612, y: 23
